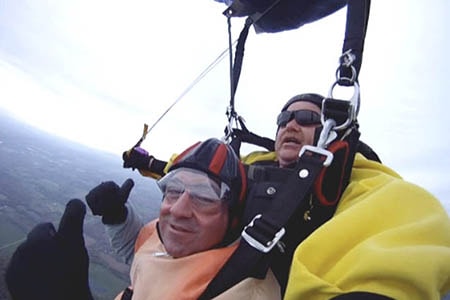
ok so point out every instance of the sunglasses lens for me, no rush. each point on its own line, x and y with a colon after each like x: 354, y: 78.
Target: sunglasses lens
x: 283, y: 118
x: 302, y: 117
x: 307, y: 117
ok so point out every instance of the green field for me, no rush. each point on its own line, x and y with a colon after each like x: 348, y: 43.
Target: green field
x: 39, y: 173
x: 104, y: 284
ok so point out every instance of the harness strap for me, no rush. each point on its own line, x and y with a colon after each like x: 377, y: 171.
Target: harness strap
x: 236, y: 67
x: 329, y: 191
x: 367, y: 151
x: 243, y: 135
x: 333, y: 180
x: 355, y: 33
x: 266, y: 229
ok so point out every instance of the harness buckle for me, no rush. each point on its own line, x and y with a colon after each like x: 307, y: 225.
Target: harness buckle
x: 255, y: 243
x: 317, y: 150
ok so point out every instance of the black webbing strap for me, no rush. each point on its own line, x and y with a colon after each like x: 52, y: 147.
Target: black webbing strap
x: 239, y: 136
x: 238, y: 59
x: 236, y: 66
x: 263, y: 233
x: 367, y: 151
x: 355, y: 33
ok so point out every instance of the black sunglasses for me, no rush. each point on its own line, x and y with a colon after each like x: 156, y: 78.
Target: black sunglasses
x: 302, y: 117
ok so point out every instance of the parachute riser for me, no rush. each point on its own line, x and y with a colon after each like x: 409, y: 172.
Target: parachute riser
x: 340, y: 115
x: 235, y: 65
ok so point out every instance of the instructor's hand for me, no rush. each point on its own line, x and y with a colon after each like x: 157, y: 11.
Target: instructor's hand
x: 136, y: 158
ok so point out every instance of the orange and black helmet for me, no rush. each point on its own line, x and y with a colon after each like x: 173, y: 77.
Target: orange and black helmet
x: 220, y: 162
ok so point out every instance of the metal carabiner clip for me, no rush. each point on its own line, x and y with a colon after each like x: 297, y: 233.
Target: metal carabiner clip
x: 353, y: 107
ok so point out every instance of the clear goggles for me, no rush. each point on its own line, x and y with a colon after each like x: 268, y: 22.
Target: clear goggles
x: 302, y: 117
x: 197, y: 184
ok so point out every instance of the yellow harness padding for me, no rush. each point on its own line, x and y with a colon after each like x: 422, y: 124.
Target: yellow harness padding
x: 387, y: 236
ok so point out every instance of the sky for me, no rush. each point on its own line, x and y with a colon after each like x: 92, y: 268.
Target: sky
x: 95, y: 71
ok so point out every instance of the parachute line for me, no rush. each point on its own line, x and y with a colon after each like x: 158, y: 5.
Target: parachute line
x: 12, y: 244
x: 194, y: 82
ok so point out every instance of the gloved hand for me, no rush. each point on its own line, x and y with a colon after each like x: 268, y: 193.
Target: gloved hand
x: 52, y: 264
x: 137, y: 158
x: 108, y: 200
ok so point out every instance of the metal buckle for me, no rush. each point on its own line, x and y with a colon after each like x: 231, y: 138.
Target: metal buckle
x: 328, y: 155
x: 327, y: 134
x: 257, y: 244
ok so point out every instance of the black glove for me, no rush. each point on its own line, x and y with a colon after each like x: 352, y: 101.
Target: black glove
x: 137, y: 158
x: 108, y: 200
x: 52, y: 264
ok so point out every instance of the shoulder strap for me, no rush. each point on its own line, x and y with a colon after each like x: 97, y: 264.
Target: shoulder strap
x: 265, y: 230
x: 244, y: 135
x: 367, y: 152
x: 355, y: 34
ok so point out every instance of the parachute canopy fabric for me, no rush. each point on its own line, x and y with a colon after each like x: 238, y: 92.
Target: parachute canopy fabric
x: 284, y: 15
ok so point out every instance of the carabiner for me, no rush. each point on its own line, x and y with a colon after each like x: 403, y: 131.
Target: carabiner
x: 353, y: 107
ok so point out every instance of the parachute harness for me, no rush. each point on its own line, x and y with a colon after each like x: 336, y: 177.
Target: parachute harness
x: 322, y: 170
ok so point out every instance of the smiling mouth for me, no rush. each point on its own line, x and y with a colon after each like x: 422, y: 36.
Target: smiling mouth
x: 179, y: 228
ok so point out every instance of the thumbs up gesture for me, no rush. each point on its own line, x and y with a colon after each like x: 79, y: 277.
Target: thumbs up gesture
x: 52, y: 264
x: 108, y: 200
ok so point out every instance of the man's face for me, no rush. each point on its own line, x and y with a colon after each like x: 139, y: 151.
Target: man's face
x: 188, y: 222
x: 292, y: 137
